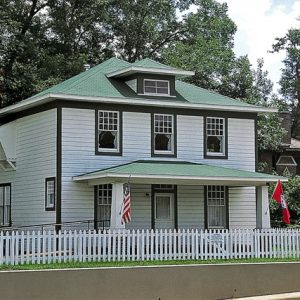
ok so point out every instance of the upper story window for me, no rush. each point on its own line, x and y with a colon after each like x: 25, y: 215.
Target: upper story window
x: 108, y: 136
x: 163, y: 134
x: 215, y: 141
x: 50, y: 194
x: 5, y: 204
x: 156, y: 87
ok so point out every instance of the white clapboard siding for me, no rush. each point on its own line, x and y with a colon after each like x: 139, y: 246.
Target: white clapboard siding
x: 242, y: 207
x: 190, y: 138
x: 190, y: 206
x: 43, y: 247
x: 140, y: 207
x: 78, y: 152
x: 36, y: 160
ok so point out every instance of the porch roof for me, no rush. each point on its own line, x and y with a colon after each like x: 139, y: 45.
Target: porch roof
x: 173, y: 172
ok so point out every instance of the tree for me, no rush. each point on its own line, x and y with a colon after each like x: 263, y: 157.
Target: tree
x: 43, y: 42
x: 21, y: 30
x: 290, y: 77
x: 206, y: 45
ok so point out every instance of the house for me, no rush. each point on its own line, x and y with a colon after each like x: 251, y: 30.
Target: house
x: 286, y: 159
x: 189, y: 154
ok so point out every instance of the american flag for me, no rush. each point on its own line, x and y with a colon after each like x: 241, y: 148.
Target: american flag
x: 126, y: 218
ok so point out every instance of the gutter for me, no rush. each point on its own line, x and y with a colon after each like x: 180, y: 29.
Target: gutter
x: 31, y: 102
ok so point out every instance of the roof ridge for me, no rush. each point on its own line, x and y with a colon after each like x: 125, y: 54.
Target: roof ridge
x: 94, y: 70
x: 152, y: 60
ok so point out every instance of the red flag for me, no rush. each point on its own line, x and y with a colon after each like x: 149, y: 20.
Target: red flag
x: 126, y: 217
x: 279, y: 197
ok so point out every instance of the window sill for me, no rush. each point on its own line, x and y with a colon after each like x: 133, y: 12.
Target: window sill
x: 49, y: 208
x: 162, y: 154
x: 108, y: 153
x: 215, y: 156
x: 157, y: 95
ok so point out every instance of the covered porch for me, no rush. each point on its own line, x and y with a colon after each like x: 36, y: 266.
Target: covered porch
x: 177, y: 195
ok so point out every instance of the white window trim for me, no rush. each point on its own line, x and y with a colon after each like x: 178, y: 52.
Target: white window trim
x: 103, y: 187
x: 225, y: 207
x: 223, y: 153
x: 48, y: 205
x: 290, y: 157
x: 104, y: 150
x: 164, y: 152
x: 156, y: 94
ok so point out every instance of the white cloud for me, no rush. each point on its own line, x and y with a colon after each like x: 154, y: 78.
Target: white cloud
x: 259, y: 22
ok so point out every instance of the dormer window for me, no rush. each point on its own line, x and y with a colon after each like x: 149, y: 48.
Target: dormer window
x: 156, y: 87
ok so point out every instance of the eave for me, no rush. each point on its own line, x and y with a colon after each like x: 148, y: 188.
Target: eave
x: 142, y: 70
x: 36, y: 101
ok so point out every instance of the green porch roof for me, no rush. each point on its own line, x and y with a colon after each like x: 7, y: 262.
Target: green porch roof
x: 177, y: 172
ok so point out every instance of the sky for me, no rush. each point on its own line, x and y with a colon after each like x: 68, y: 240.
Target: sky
x: 259, y: 22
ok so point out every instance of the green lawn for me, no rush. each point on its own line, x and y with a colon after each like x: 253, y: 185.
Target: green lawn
x: 141, y: 263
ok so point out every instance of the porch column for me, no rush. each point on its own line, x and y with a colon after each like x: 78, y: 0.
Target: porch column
x: 116, y: 205
x: 262, y: 208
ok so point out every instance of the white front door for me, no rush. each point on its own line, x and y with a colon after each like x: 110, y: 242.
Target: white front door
x: 164, y: 210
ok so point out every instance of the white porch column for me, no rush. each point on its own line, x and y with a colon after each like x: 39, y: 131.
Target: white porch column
x: 262, y: 208
x: 116, y: 204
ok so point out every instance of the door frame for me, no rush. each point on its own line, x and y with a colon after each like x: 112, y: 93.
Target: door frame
x: 155, y: 189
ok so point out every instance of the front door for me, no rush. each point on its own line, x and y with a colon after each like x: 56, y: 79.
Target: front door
x: 164, y: 211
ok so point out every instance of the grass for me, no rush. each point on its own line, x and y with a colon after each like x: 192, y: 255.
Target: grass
x: 142, y: 263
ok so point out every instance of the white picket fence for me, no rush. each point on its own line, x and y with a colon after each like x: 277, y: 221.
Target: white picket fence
x: 50, y: 247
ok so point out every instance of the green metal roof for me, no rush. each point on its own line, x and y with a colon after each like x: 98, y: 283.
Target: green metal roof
x: 179, y: 170
x: 94, y: 83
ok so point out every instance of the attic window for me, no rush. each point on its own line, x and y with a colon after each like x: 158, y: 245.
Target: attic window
x: 156, y: 87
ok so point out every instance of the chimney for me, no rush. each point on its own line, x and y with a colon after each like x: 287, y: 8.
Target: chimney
x: 87, y: 67
x: 286, y: 123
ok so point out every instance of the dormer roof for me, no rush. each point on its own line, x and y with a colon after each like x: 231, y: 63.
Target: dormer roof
x: 148, y: 66
x: 98, y: 85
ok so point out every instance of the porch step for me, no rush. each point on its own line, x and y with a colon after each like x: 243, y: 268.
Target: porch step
x: 295, y: 296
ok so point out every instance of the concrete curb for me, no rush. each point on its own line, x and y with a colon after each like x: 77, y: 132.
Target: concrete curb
x: 286, y: 296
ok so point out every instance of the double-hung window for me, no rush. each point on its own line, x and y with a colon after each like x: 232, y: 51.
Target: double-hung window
x: 216, y: 207
x: 156, y: 87
x: 5, y: 205
x: 163, y: 134
x: 215, y: 137
x: 103, y: 206
x: 108, y: 136
x: 50, y: 194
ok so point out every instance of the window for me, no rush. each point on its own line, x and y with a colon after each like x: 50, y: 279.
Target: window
x: 50, y: 194
x: 108, y: 131
x: 103, y: 205
x: 156, y: 87
x: 215, y: 136
x: 216, y: 207
x: 5, y: 204
x: 163, y: 134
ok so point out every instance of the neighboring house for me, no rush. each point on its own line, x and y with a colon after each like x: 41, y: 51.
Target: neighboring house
x: 189, y: 154
x: 286, y: 160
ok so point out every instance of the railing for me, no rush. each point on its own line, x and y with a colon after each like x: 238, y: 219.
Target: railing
x: 124, y: 245
x: 78, y: 224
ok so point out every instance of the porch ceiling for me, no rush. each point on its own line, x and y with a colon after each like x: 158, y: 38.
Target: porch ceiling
x: 168, y: 172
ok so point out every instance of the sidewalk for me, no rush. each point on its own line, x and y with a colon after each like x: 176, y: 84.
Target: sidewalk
x: 295, y: 296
